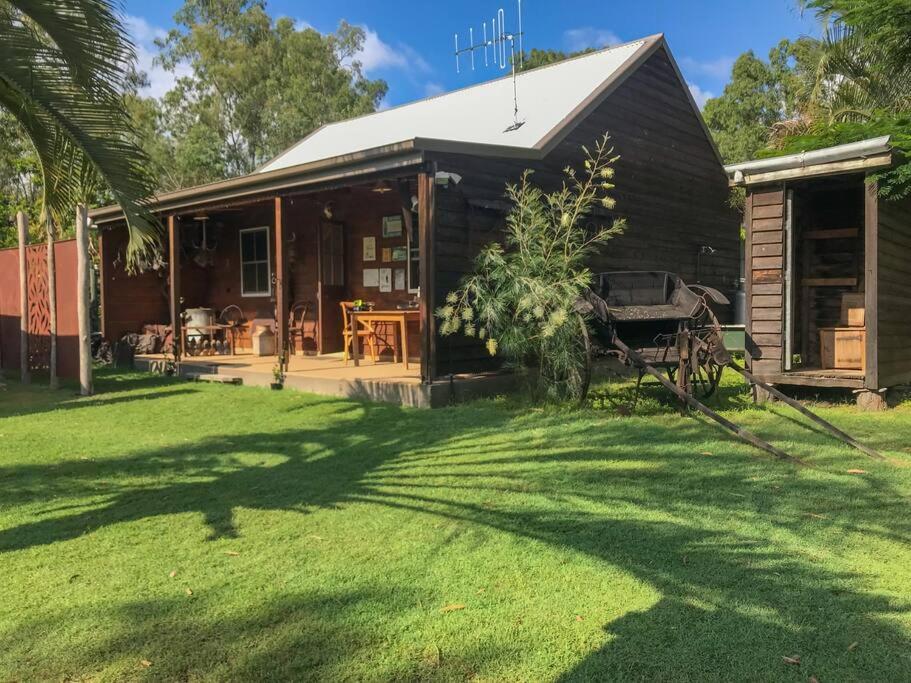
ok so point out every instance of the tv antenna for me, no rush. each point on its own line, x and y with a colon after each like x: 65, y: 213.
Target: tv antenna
x: 494, y: 44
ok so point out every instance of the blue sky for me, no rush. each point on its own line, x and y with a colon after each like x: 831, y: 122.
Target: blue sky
x: 410, y: 43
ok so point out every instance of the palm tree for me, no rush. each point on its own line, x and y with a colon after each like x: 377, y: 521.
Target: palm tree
x: 63, y: 69
x: 64, y: 66
x: 857, y: 79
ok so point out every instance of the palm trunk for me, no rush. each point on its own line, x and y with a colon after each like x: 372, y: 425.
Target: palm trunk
x: 82, y: 300
x: 22, y: 225
x: 52, y: 300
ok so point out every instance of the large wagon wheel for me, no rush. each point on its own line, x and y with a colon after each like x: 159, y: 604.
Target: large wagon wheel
x: 705, y: 371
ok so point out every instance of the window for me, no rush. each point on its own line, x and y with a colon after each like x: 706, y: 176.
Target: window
x: 255, y: 266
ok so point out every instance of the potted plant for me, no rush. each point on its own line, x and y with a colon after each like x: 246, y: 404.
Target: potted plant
x: 358, y: 305
x: 278, y: 376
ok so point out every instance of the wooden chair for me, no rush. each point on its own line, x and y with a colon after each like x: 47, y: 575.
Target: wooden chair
x: 234, y: 322
x: 301, y: 326
x: 364, y: 333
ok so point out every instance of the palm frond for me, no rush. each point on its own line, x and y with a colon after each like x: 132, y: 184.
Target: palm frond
x: 88, y: 34
x: 75, y: 115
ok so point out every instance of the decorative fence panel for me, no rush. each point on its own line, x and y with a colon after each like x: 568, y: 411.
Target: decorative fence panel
x: 38, y: 314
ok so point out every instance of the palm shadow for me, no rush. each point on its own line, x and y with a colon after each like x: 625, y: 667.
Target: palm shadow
x: 731, y: 604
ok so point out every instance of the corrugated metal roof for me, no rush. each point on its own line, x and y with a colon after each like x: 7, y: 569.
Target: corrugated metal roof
x: 850, y: 150
x: 481, y: 114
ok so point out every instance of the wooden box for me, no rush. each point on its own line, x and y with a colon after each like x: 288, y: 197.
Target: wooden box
x: 852, y: 310
x: 843, y: 348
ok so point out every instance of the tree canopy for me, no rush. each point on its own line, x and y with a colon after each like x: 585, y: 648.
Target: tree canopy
x: 760, y: 95
x: 257, y: 85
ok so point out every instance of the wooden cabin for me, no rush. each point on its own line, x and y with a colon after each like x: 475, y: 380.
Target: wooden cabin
x: 829, y: 271
x: 392, y: 207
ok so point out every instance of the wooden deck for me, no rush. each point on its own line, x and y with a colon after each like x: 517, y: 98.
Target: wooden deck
x: 329, y: 375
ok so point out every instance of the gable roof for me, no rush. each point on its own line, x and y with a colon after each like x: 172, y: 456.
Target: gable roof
x: 553, y: 99
x: 477, y: 115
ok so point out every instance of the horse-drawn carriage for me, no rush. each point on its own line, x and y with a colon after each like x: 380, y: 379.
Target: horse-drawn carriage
x: 655, y: 322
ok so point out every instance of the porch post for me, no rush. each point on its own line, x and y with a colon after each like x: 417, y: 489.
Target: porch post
x: 281, y: 283
x: 426, y: 218
x: 22, y: 226
x: 174, y: 292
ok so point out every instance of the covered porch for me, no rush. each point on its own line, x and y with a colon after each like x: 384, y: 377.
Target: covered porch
x: 249, y: 285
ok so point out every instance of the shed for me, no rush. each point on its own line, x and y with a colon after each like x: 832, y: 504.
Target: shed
x: 828, y: 264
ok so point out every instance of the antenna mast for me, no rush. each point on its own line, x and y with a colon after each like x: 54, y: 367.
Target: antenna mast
x: 494, y: 48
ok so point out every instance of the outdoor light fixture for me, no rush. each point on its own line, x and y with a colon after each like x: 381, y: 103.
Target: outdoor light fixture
x: 328, y: 209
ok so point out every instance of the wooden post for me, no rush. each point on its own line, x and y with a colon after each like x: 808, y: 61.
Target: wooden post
x: 52, y: 300
x: 83, y: 300
x: 871, y: 285
x: 22, y: 226
x: 426, y: 217
x: 281, y: 284
x: 174, y: 284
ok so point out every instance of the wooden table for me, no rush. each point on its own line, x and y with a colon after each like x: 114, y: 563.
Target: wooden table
x: 369, y: 318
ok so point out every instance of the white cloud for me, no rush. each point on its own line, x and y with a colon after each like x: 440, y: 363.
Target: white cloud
x: 716, y: 68
x: 144, y: 36
x: 432, y: 88
x: 377, y: 54
x: 576, y: 39
x: 699, y: 94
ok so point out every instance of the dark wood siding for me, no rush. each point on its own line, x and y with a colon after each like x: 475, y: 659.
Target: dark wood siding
x: 893, y: 315
x: 128, y: 301
x: 671, y: 188
x: 765, y: 279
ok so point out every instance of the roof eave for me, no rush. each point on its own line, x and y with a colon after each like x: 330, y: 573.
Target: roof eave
x: 869, y: 154
x: 397, y: 155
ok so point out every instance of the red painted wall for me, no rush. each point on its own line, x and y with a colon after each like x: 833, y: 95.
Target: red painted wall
x: 67, y: 321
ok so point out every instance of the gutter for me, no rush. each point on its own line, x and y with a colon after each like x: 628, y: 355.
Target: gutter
x: 848, y: 152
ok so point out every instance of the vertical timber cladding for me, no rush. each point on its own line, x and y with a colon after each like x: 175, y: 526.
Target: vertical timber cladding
x: 892, y: 310
x: 765, y: 245
x: 671, y: 188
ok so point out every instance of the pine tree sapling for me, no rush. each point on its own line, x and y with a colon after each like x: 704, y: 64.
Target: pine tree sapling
x: 521, y: 295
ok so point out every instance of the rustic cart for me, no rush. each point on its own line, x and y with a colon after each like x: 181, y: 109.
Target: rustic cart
x: 828, y: 271
x: 655, y: 322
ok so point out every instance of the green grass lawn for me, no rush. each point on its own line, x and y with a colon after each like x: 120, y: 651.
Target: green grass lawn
x: 172, y: 531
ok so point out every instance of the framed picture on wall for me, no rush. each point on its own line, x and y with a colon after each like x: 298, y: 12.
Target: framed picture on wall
x: 399, y: 253
x: 371, y: 277
x: 392, y: 226
x: 370, y: 248
x: 399, y: 279
x: 387, y: 254
x: 385, y: 279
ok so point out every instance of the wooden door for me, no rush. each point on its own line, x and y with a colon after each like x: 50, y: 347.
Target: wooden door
x: 331, y: 287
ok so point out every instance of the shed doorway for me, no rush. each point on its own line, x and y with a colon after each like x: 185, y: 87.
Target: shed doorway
x: 824, y: 286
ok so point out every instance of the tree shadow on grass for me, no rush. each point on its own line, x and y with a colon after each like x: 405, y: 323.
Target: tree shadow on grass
x: 111, y: 388
x: 696, y: 528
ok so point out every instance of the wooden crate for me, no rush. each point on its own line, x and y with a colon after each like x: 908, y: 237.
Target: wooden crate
x: 843, y: 348
x: 852, y: 310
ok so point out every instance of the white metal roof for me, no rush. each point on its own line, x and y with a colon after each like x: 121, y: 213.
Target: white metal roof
x: 480, y: 114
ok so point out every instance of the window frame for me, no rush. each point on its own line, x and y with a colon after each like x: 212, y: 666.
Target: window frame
x: 240, y: 247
